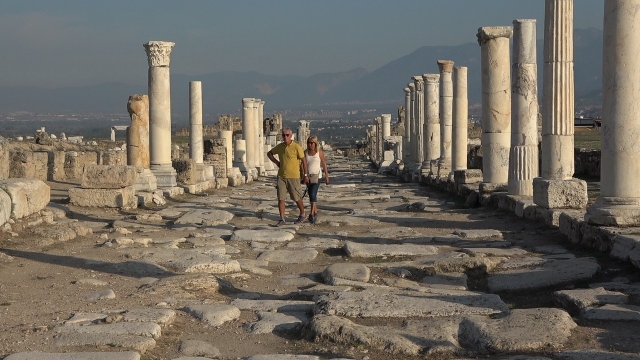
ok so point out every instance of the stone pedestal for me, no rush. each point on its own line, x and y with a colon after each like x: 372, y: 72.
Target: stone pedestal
x: 619, y: 200
x: 196, y: 139
x: 496, y: 103
x: 446, y: 116
x: 418, y: 108
x: 460, y: 120
x: 158, y: 55
x: 432, y: 123
x: 523, y: 158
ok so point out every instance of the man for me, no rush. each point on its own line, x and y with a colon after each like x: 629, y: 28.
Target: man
x: 290, y: 155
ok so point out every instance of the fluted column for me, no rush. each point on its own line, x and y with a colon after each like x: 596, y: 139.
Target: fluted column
x: 446, y: 116
x: 496, y: 105
x: 414, y: 127
x: 460, y: 120
x: 249, y: 133
x: 196, y: 139
x: 432, y: 122
x: 556, y: 188
x: 418, y: 82
x: 406, y: 141
x: 523, y: 158
x: 261, y: 143
x: 159, y: 57
x: 619, y: 200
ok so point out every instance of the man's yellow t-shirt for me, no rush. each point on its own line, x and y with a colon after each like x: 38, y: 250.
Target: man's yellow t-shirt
x: 289, y: 157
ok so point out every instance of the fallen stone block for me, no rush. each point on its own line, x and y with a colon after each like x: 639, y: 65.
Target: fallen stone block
x: 613, y: 313
x: 269, y: 322
x: 28, y: 196
x: 281, y: 306
x: 198, y: 348
x: 114, y: 198
x: 289, y: 256
x: 109, y: 176
x: 125, y: 328
x: 207, y: 217
x: 349, y: 271
x: 262, y: 235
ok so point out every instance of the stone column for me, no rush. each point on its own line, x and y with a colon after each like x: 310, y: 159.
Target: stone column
x: 158, y: 56
x: 460, y: 120
x: 196, y: 140
x: 556, y: 188
x: 414, y: 127
x: 446, y: 116
x: 406, y: 142
x: 619, y: 200
x: 227, y: 135
x: 240, y: 156
x: 261, y: 142
x: 496, y: 106
x: 523, y: 158
x: 257, y: 125
x: 138, y: 132
x: 379, y: 140
x: 418, y: 104
x: 249, y: 133
x: 432, y: 123
x: 386, y: 125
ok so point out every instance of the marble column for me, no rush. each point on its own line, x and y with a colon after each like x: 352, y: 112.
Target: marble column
x: 406, y: 142
x: 138, y: 132
x: 523, y: 158
x: 414, y: 127
x: 227, y: 135
x: 249, y: 133
x: 379, y: 140
x: 240, y: 156
x: 386, y: 125
x: 556, y: 188
x: 460, y: 120
x: 257, y: 125
x: 196, y: 139
x: 432, y: 122
x: 261, y: 142
x: 619, y: 200
x: 418, y: 104
x: 496, y: 106
x: 446, y: 116
x: 159, y: 57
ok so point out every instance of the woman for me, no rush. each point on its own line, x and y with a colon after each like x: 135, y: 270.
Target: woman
x: 316, y: 163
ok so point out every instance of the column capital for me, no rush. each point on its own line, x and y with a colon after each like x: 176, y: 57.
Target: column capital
x: 445, y: 65
x: 487, y: 33
x: 407, y: 91
x: 412, y: 87
x: 431, y: 78
x: 158, y: 52
x: 418, y: 82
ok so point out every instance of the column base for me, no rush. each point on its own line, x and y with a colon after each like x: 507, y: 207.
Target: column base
x: 444, y: 167
x: 560, y: 194
x: 146, y: 181
x: 488, y: 188
x: 467, y: 176
x: 165, y: 175
x: 614, y: 211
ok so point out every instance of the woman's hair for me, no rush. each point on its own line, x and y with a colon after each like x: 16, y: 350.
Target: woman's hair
x: 314, y: 139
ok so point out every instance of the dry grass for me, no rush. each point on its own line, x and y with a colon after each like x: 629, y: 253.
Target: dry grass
x: 588, y: 138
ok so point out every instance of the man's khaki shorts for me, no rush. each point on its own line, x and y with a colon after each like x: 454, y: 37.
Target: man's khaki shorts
x: 291, y: 187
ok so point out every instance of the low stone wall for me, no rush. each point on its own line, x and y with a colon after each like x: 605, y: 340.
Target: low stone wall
x: 113, y: 157
x: 28, y: 164
x: 215, y: 153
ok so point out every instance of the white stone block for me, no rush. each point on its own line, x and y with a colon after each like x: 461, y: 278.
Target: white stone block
x: 109, y: 176
x: 560, y: 194
x: 28, y: 196
x: 114, y: 198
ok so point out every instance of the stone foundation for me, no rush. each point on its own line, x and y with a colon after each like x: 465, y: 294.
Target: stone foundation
x: 113, y: 198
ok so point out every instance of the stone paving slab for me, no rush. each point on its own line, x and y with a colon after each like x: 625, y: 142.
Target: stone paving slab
x: 495, y: 251
x: 269, y: 322
x: 124, y: 355
x: 267, y: 236
x: 140, y: 328
x: 523, y: 330
x: 613, y: 313
x: 282, y: 357
x: 594, y: 355
x: 483, y: 234
x: 317, y: 242
x: 397, y: 303
x: 574, y: 301
x: 354, y: 249
x: 194, y: 349
x: 454, y: 281
x: 215, y: 314
x: 158, y: 316
x: 348, y: 271
x: 134, y: 342
x: 289, y: 256
x: 282, y: 306
x: 549, y: 274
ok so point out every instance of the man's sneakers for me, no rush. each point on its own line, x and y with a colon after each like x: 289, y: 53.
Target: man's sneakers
x: 281, y: 222
x: 300, y: 219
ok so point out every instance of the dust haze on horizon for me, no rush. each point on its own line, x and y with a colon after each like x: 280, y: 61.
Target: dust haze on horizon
x: 73, y: 43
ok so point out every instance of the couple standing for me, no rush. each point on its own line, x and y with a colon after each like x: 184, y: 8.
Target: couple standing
x: 293, y: 162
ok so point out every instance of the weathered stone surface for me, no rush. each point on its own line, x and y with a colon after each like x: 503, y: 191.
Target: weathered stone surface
x: 207, y: 217
x: 389, y: 303
x: 281, y: 306
x: 316, y: 242
x: 479, y: 234
x: 262, y: 235
x: 348, y: 271
x: 5, y: 207
x: 133, y: 342
x: 273, y: 322
x: 549, y: 274
x: 494, y: 252
x: 574, y: 301
x: 28, y: 196
x: 523, y: 330
x: 115, y: 198
x: 124, y: 355
x: 454, y: 281
x: 125, y: 328
x: 215, y: 315
x: 101, y: 295
x: 158, y: 316
x: 199, y: 348
x: 594, y: 355
x: 623, y: 245
x: 289, y: 256
x: 109, y: 176
x: 282, y: 357
x: 560, y: 194
x: 354, y: 249
x: 613, y: 313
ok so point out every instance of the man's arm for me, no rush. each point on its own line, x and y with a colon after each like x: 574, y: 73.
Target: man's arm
x: 273, y: 158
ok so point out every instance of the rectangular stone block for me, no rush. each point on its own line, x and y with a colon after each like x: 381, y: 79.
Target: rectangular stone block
x: 29, y: 164
x: 28, y: 196
x: 560, y: 194
x: 75, y: 162
x: 199, y: 187
x: 468, y: 176
x: 117, y: 157
x: 186, y: 173
x: 114, y: 198
x: 522, y: 205
x: 623, y: 245
x: 110, y: 176
x: 570, y: 225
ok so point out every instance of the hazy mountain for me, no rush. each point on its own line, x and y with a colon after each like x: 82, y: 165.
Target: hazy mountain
x: 223, y: 91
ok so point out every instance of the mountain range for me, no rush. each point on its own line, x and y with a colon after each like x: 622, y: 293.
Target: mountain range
x: 358, y: 88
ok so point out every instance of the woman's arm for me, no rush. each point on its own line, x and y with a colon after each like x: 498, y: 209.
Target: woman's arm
x: 324, y: 167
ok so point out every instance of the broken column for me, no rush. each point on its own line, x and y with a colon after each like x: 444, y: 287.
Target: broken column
x: 138, y: 142
x: 460, y: 120
x: 446, y: 116
x: 556, y: 188
x: 414, y: 129
x: 262, y: 153
x: 196, y: 140
x: 257, y: 126
x: 418, y: 109
x: 240, y: 160
x: 388, y: 154
x: 406, y: 142
x: 619, y: 200
x: 496, y: 106
x: 432, y: 123
x: 523, y: 158
x: 159, y: 57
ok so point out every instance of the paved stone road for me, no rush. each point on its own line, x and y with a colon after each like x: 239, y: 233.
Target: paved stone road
x: 390, y: 271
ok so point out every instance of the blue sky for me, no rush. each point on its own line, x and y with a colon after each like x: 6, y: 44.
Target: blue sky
x: 83, y: 42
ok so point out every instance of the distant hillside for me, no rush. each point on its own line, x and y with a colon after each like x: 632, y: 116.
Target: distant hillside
x: 223, y: 91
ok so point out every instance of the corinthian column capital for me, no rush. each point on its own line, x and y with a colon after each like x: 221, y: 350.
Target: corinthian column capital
x: 158, y: 52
